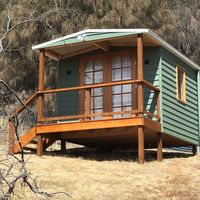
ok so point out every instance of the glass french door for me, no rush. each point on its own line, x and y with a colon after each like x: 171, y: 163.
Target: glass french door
x: 108, y: 68
x: 122, y: 95
x: 93, y: 74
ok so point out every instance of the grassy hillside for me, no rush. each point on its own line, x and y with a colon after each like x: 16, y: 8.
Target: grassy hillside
x: 87, y: 176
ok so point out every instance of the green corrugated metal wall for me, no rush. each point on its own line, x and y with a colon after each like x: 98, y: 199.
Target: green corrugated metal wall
x: 68, y: 76
x: 179, y: 120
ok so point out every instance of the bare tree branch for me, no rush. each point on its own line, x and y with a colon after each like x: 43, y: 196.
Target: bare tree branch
x: 16, y: 172
x: 41, y: 19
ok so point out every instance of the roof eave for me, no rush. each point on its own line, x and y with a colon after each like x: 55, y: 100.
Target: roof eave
x: 148, y: 32
x: 41, y: 46
x: 171, y: 49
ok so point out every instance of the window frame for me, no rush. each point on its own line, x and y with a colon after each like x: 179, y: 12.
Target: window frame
x: 183, y: 97
x: 106, y: 58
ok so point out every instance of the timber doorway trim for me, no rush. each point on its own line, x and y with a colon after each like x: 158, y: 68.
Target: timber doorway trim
x: 89, y: 68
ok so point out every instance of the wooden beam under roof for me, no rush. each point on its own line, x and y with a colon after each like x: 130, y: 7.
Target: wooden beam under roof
x: 75, y: 53
x: 131, y: 37
x: 51, y: 54
x: 102, y: 45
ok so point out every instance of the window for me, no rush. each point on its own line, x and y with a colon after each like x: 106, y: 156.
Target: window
x: 121, y: 94
x: 93, y: 73
x: 180, y: 84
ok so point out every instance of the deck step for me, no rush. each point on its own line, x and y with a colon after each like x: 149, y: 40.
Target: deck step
x: 25, y: 139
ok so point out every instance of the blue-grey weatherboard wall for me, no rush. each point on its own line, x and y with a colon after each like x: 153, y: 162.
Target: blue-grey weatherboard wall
x: 177, y: 119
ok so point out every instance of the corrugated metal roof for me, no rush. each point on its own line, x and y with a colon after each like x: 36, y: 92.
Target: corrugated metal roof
x: 85, y: 36
x: 95, y: 35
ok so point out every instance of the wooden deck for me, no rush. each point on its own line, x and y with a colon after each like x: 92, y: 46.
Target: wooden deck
x: 113, y: 133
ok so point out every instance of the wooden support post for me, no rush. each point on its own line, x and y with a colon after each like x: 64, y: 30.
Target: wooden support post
x: 158, y: 105
x: 87, y: 102
x: 194, y: 150
x: 159, y: 147
x: 41, y: 76
x: 11, y: 138
x: 63, y: 145
x: 140, y: 71
x: 39, y: 145
x: 141, y: 145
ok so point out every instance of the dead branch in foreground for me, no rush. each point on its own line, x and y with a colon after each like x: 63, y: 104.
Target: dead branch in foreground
x: 13, y: 169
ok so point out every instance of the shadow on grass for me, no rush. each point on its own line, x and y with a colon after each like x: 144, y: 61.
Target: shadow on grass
x: 120, y: 155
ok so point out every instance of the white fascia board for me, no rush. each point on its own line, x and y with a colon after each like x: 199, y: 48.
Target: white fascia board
x: 39, y: 46
x: 171, y: 49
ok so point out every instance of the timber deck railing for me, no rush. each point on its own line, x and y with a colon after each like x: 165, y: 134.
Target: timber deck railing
x: 87, y: 91
x: 87, y: 116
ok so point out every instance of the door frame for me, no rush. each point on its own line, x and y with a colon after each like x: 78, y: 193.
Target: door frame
x: 107, y: 76
x: 132, y: 54
x: 84, y: 59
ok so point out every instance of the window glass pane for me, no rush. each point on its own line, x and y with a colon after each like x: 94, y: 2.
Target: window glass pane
x: 126, y: 73
x: 117, y: 110
x: 98, y: 102
x: 98, y: 111
x: 98, y: 91
x: 98, y: 77
x: 116, y: 62
x: 116, y: 89
x: 126, y: 88
x: 180, y: 84
x: 91, y: 103
x: 126, y: 109
x: 116, y: 100
x: 92, y: 92
x: 98, y: 65
x: 126, y: 100
x: 89, y: 78
x: 126, y: 61
x: 89, y: 66
x: 116, y: 74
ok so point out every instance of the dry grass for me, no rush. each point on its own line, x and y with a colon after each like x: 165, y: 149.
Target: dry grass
x: 117, y: 176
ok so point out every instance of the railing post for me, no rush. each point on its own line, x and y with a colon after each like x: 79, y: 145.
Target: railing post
x: 87, y: 103
x: 140, y: 70
x: 159, y: 147
x: 158, y: 105
x: 40, y: 99
x: 41, y: 85
x: 141, y: 145
x: 39, y: 145
x: 11, y: 137
x: 63, y: 146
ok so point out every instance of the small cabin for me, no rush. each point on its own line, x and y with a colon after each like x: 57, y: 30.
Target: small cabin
x: 116, y: 88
